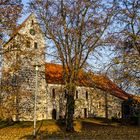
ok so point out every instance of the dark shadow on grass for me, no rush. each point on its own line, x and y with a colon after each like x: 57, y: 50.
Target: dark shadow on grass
x: 4, y: 124
x: 106, y: 121
x: 61, y: 124
x: 32, y: 137
x: 41, y: 134
x: 87, y: 126
x: 18, y: 124
x: 23, y: 124
x: 61, y: 134
x: 86, y: 131
x: 103, y: 120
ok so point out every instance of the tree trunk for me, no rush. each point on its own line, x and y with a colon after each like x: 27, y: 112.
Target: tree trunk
x: 70, y: 110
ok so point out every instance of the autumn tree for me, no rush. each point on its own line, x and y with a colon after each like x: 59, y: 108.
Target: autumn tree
x: 75, y: 28
x: 10, y: 11
x: 126, y: 64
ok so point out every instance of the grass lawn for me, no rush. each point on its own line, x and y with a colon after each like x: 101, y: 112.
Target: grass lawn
x: 92, y: 129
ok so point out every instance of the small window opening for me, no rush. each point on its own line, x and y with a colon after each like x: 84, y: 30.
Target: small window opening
x: 35, y: 45
x: 86, y: 95
x: 32, y: 22
x: 53, y: 93
x: 28, y: 44
x: 76, y: 94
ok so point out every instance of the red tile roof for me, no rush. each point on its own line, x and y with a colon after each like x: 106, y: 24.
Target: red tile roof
x: 54, y: 75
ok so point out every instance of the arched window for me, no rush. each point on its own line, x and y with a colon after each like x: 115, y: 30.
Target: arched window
x: 86, y: 95
x: 76, y: 94
x: 53, y: 93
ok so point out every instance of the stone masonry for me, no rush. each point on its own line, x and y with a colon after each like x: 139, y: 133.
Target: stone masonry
x: 25, y: 50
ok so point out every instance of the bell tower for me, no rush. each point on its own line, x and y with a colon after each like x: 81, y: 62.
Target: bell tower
x: 26, y: 52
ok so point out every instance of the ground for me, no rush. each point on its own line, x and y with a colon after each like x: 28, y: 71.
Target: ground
x: 92, y: 129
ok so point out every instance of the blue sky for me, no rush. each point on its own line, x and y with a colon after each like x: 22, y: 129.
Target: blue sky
x: 97, y: 63
x: 25, y: 14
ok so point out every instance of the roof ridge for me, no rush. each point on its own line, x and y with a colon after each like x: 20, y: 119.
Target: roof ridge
x: 22, y: 24
x: 104, y: 83
x: 18, y: 28
x: 53, y: 63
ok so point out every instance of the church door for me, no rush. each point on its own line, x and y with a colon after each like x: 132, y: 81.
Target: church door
x: 85, y: 112
x: 54, y: 114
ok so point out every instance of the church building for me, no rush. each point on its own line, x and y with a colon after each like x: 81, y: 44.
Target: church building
x: 24, y: 68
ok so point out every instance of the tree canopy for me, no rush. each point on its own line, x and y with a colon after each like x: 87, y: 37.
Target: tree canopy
x: 9, y: 13
x: 75, y: 28
x: 127, y: 45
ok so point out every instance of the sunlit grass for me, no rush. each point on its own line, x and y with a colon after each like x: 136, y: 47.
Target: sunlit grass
x: 84, y: 129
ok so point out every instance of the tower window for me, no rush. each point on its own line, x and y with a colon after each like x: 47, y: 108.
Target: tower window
x: 35, y: 45
x: 53, y: 93
x: 32, y: 22
x: 76, y: 94
x: 86, y: 95
x: 28, y: 44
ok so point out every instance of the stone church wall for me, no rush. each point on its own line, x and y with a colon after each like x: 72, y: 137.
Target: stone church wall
x: 91, y: 106
x: 18, y: 72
